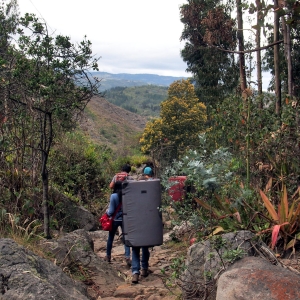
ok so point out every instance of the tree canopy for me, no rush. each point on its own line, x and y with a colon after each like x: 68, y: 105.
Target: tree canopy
x: 45, y: 85
x: 206, y: 27
x: 182, y: 119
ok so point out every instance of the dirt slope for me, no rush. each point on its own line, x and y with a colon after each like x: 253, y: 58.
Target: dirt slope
x: 111, y: 125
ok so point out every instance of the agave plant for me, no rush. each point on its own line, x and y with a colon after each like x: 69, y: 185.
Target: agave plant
x: 221, y: 211
x: 286, y: 220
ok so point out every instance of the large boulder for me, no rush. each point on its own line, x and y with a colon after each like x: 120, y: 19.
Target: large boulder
x: 75, y: 251
x: 74, y: 247
x: 256, y: 278
x: 206, y: 260
x: 71, y: 215
x: 79, y: 217
x: 24, y: 275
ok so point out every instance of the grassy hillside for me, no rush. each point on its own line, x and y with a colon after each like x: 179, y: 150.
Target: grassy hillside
x: 111, y: 125
x: 143, y: 100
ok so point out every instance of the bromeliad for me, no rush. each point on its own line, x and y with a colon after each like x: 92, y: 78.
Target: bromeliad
x: 286, y: 220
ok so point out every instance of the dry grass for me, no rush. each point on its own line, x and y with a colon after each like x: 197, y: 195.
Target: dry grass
x: 27, y: 234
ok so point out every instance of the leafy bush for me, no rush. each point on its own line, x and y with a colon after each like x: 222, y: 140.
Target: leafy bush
x: 80, y: 168
x: 266, y: 143
x: 212, y: 178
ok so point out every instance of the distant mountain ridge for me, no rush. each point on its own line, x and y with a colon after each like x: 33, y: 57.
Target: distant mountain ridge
x: 109, y: 80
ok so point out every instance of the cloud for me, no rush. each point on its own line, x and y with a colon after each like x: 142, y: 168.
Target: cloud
x: 130, y: 36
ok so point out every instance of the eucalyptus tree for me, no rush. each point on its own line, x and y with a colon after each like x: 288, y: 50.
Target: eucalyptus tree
x: 277, y: 80
x: 241, y: 46
x: 54, y: 87
x: 259, y: 20
x: 207, y: 28
x: 283, y: 60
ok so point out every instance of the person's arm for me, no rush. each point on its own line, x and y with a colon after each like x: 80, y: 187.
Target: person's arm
x: 112, y: 205
x: 112, y: 184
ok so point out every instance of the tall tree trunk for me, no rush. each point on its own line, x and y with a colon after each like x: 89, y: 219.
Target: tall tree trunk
x: 45, y: 179
x: 276, y: 60
x: 46, y: 141
x: 287, y: 54
x: 258, y: 53
x: 240, y: 37
x: 289, y: 61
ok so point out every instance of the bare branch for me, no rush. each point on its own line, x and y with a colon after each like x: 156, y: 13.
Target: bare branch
x: 248, y: 51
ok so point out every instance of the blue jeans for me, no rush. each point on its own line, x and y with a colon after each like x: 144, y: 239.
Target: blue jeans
x: 136, y: 261
x: 111, y: 236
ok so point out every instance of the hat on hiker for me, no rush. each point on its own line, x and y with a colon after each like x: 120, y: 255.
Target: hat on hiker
x: 148, y: 171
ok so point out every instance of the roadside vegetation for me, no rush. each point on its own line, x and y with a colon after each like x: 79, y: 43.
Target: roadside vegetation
x: 238, y: 146
x: 243, y: 168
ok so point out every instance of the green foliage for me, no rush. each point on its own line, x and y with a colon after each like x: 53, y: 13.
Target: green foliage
x: 226, y: 255
x: 232, y: 255
x: 44, y: 92
x: 207, y: 171
x: 215, y: 72
x: 177, y: 267
x: 182, y: 118
x: 185, y: 211
x: 218, y: 243
x: 138, y: 160
x: 81, y: 168
x: 143, y: 100
x: 217, y: 176
x: 218, y: 200
x: 79, y: 171
x: 271, y: 151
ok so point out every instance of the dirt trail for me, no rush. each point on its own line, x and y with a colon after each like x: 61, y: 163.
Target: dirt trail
x: 151, y: 287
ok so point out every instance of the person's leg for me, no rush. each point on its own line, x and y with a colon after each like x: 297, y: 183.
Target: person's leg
x: 136, y: 265
x: 110, y: 239
x: 127, y: 251
x: 127, y: 256
x: 145, y: 261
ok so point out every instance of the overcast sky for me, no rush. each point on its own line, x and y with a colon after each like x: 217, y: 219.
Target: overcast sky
x: 131, y: 36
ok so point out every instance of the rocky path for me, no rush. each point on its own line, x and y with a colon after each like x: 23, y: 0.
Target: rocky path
x: 151, y: 287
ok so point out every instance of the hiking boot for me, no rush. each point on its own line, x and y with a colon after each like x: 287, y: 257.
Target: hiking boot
x: 128, y: 262
x: 107, y: 258
x: 135, y: 278
x: 144, y: 272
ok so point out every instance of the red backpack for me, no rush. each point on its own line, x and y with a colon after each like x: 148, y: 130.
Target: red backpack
x: 121, y: 176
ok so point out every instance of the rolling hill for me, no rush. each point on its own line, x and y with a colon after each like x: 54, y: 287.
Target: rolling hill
x: 137, y: 98
x: 106, y: 123
x: 144, y: 100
